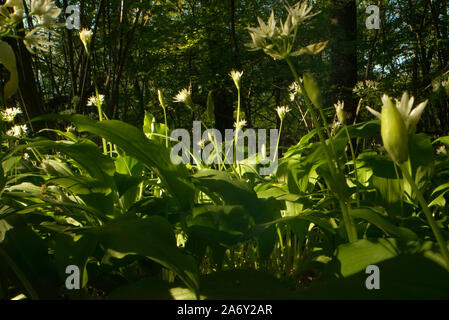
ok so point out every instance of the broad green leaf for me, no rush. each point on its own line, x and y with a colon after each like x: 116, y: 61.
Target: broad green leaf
x: 232, y: 191
x: 355, y: 257
x: 375, y: 218
x: 71, y: 251
x: 152, y: 237
x: 319, y: 219
x: 312, y: 89
x: 406, y: 277
x: 81, y: 185
x: 443, y: 140
x: 422, y: 158
x: 133, y: 141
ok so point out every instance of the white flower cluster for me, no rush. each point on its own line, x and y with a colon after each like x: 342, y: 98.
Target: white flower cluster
x: 9, y: 114
x: 17, y: 131
x: 45, y: 12
x: 278, y: 41
x: 184, y: 97
x: 282, y: 111
x: 240, y: 124
x: 236, y: 76
x: 294, y: 90
x: 445, y: 84
x: 363, y: 85
x: 94, y: 101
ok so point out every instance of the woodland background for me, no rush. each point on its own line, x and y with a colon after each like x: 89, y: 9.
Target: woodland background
x: 139, y: 47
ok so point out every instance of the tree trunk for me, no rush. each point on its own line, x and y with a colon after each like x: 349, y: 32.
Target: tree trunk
x: 344, y: 54
x: 29, y: 96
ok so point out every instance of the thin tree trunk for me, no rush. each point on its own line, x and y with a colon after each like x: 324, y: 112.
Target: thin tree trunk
x: 344, y: 54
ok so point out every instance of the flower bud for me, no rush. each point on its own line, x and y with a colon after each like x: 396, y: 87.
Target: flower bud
x: 86, y: 38
x: 394, y: 131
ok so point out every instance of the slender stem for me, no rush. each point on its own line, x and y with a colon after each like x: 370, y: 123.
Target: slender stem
x: 237, y: 127
x: 279, y: 138
x: 166, y: 127
x: 350, y: 227
x: 355, y: 164
x: 436, y: 230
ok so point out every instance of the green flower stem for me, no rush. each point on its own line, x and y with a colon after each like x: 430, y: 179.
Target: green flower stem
x: 100, y: 118
x: 349, y: 224
x: 436, y: 230
x: 165, y: 123
x: 355, y: 164
x: 279, y: 138
x: 237, y: 128
x: 351, y: 230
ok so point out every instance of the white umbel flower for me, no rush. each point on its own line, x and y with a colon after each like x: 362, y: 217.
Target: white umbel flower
x: 282, y: 111
x: 86, y: 38
x: 17, y: 131
x: 94, y: 101
x: 18, y: 8
x: 236, y: 76
x: 240, y: 124
x: 45, y: 11
x: 9, y: 114
x: 35, y: 40
x: 184, y: 97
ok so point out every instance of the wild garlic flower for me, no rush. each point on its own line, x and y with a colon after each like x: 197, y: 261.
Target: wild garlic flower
x: 240, y: 124
x: 278, y: 42
x: 409, y: 116
x: 35, y: 39
x: 445, y: 85
x: 236, y: 76
x: 364, y: 85
x: 96, y: 101
x: 442, y: 150
x: 294, y: 89
x: 9, y: 114
x: 393, y: 131
x: 184, y: 97
x: 17, y: 131
x: 86, y: 38
x: 71, y: 129
x: 397, y: 122
x: 339, y: 106
x: 45, y: 11
x: 282, y: 111
x: 13, y: 3
x: 299, y: 12
x: 19, y: 10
